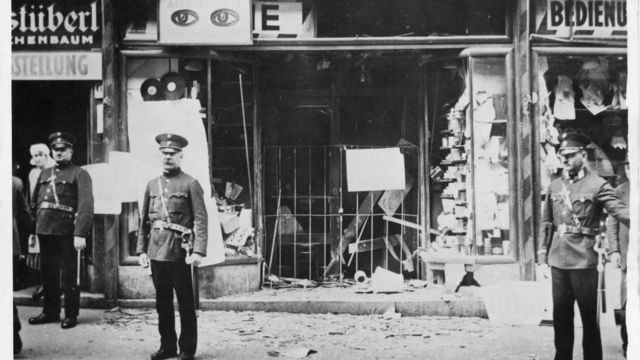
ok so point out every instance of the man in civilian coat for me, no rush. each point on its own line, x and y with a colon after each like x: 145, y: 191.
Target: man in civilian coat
x: 63, y: 206
x: 173, y: 214
x: 21, y: 224
x: 618, y: 236
x: 571, y: 218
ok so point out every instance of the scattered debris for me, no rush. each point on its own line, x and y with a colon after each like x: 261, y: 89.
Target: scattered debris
x: 418, y: 284
x: 384, y: 280
x: 391, y: 314
x: 277, y: 282
x: 297, y: 352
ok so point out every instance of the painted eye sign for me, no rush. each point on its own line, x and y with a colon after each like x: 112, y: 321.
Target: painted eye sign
x: 220, y: 17
x: 205, y: 22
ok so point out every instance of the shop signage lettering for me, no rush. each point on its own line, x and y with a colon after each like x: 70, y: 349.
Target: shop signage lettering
x: 272, y: 19
x: 587, y: 14
x: 56, y: 24
x: 56, y: 65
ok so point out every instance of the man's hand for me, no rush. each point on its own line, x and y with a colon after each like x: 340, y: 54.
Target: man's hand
x: 32, y: 240
x: 143, y: 260
x: 79, y: 242
x: 615, y: 259
x: 194, y: 259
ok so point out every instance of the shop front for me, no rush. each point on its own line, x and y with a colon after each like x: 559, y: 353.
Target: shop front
x: 285, y: 108
x: 56, y: 85
x: 291, y: 107
x: 579, y: 78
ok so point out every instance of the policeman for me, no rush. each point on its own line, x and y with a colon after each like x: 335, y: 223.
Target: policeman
x: 173, y: 215
x: 570, y: 222
x: 618, y: 236
x: 63, y: 206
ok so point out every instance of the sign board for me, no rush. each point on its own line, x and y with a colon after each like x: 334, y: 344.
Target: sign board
x: 375, y: 169
x: 284, y: 20
x: 56, y: 65
x: 204, y: 22
x: 38, y: 25
x: 592, y: 18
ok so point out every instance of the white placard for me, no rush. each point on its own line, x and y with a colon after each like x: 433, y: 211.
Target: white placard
x: 123, y: 165
x: 220, y: 22
x: 277, y: 17
x: 102, y: 180
x: 375, y: 169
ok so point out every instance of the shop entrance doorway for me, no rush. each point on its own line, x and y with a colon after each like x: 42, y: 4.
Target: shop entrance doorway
x: 40, y: 108
x: 316, y: 107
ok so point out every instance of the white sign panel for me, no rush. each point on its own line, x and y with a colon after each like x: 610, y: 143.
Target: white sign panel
x: 375, y: 169
x: 591, y: 17
x: 56, y: 65
x: 274, y: 17
x: 286, y: 20
x: 206, y: 22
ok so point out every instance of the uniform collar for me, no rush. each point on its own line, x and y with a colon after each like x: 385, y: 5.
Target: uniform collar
x: 581, y: 174
x: 62, y: 164
x: 171, y: 173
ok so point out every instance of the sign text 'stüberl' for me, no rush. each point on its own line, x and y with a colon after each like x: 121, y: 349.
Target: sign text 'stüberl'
x: 587, y: 14
x: 56, y: 24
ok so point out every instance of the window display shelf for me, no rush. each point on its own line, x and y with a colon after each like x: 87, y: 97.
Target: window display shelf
x: 448, y: 180
x: 453, y: 162
x: 445, y: 148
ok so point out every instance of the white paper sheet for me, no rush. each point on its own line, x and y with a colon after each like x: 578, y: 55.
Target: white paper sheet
x: 182, y: 117
x: 123, y: 167
x: 102, y: 180
x: 375, y: 169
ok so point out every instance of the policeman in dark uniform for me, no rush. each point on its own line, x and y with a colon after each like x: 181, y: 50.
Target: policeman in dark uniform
x: 570, y: 221
x: 172, y: 236
x: 63, y: 206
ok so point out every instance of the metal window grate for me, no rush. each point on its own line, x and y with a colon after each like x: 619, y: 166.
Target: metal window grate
x: 307, y: 208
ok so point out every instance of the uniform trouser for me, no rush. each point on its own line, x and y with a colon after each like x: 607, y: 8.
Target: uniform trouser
x: 623, y: 311
x: 167, y: 276
x: 569, y: 286
x: 57, y: 252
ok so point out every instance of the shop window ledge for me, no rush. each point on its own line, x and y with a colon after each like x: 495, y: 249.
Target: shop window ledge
x: 240, y: 260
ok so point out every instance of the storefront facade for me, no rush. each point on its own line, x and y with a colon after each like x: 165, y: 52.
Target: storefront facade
x: 285, y: 100
x: 57, y: 76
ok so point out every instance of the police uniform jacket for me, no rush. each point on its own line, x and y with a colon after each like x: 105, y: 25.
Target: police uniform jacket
x: 588, y: 195
x: 618, y: 232
x: 74, y: 192
x: 184, y: 201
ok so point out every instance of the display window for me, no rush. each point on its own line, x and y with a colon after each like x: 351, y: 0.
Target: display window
x: 471, y: 158
x: 315, y: 109
x: 584, y: 93
x: 210, y: 103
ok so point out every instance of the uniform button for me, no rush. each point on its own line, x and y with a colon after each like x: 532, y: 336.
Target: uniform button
x: 166, y: 189
x: 48, y: 190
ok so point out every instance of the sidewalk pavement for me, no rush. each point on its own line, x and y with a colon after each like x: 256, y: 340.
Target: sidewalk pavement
x: 434, y: 301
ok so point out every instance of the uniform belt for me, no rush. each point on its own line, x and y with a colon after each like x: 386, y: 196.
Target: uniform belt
x: 580, y: 230
x: 160, y: 224
x: 50, y: 205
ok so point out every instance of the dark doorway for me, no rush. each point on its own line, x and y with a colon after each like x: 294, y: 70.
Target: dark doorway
x: 42, y: 107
